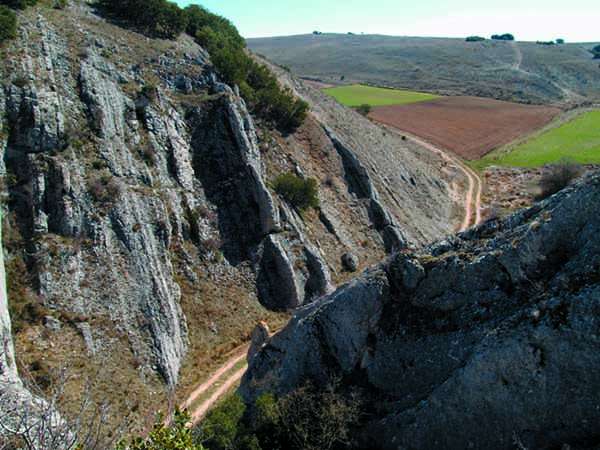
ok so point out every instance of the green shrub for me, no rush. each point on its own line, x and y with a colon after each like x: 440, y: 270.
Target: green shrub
x: 475, y: 39
x: 596, y: 52
x: 18, y: 4
x: 176, y: 436
x: 8, y: 24
x: 557, y: 177
x: 299, y: 192
x: 560, y: 41
x: 317, y: 418
x: 221, y: 429
x: 156, y: 18
x: 364, y: 109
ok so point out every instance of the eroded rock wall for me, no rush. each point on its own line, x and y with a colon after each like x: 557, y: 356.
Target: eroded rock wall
x: 485, y: 339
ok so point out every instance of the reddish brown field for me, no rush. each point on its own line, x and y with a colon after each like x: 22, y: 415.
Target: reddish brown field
x: 469, y: 126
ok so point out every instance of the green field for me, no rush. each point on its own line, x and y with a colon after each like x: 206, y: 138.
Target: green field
x: 578, y: 140
x: 358, y: 94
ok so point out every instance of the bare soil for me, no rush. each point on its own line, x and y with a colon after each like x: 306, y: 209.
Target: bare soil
x: 471, y: 127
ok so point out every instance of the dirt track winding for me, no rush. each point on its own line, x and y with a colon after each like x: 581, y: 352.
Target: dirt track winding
x: 231, y: 362
x: 475, y: 184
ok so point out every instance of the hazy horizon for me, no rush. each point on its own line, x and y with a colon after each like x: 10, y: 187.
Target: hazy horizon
x: 574, y: 21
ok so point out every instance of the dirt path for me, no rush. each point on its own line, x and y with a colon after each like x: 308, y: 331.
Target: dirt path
x: 223, y: 379
x: 475, y: 185
x: 518, y: 57
x: 199, y: 413
x: 239, y: 355
x: 570, y: 97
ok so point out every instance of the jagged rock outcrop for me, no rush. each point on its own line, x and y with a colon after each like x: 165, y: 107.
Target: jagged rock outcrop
x: 486, y: 340
x: 359, y: 183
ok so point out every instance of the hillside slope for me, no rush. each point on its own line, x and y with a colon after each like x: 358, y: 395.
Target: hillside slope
x: 411, y: 181
x: 143, y: 238
x: 522, y: 72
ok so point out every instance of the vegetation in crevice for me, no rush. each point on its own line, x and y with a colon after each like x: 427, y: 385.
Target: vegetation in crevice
x: 301, y: 193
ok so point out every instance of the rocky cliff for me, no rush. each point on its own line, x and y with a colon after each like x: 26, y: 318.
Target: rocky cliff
x: 143, y: 237
x: 489, y: 339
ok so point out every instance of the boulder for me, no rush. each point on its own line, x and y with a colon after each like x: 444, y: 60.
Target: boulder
x: 350, y: 262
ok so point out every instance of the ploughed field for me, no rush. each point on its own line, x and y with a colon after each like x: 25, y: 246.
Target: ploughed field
x: 577, y: 140
x: 471, y: 127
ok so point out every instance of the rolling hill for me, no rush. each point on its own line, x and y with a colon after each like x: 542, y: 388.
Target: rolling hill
x: 522, y: 71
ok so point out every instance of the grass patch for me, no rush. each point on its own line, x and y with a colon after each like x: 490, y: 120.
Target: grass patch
x: 578, y: 140
x: 358, y: 94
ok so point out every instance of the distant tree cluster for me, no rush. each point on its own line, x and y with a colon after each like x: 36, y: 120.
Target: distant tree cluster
x: 546, y: 43
x: 503, y: 37
x: 258, y: 86
x: 560, y: 41
x: 596, y: 52
x: 317, y: 33
x: 475, y: 39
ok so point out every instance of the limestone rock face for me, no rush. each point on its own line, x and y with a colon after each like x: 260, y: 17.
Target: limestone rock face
x: 117, y: 186
x: 484, y: 339
x: 112, y: 181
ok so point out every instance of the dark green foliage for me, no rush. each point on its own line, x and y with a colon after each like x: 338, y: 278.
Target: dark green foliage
x: 503, y: 37
x: 18, y: 4
x: 8, y: 24
x: 364, y: 109
x: 176, y: 436
x: 557, y: 177
x: 560, y: 41
x: 545, y: 43
x: 306, y: 419
x: 199, y: 18
x: 299, y: 192
x: 475, y: 39
x: 258, y: 85
x: 596, y: 52
x: 222, y: 428
x: 157, y: 18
